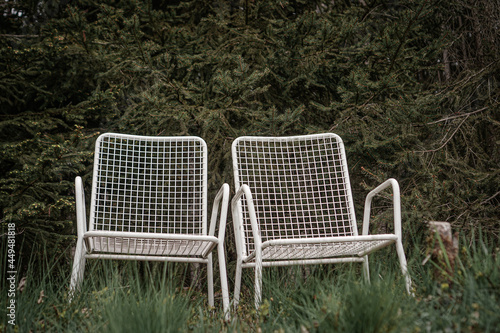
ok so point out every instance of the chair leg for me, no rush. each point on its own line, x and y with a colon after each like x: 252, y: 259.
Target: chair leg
x: 404, y: 269
x: 210, y: 278
x: 366, y: 269
x: 78, y: 268
x: 223, y: 281
x: 237, y: 284
x: 258, y: 284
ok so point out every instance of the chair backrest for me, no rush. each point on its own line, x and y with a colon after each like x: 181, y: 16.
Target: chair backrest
x: 149, y: 184
x: 300, y: 186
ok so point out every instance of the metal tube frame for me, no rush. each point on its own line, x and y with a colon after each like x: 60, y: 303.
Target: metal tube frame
x: 85, y: 238
x: 255, y: 260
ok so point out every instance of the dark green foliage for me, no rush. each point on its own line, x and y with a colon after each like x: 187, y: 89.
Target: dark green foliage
x: 37, y: 192
x: 413, y: 97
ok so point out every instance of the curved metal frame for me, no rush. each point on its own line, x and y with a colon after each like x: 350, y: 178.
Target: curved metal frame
x: 108, y: 236
x: 281, y: 248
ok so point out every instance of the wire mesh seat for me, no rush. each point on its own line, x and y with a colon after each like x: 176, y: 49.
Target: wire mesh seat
x: 293, y: 205
x: 149, y: 202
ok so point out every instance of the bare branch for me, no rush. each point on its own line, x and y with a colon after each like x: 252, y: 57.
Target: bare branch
x: 490, y: 198
x: 19, y: 36
x: 457, y: 116
x: 446, y: 142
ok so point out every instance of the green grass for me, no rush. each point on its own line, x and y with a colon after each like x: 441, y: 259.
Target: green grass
x: 144, y: 297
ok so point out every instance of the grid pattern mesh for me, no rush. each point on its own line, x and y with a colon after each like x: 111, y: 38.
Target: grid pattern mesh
x: 323, y: 250
x: 155, y: 247
x: 300, y: 187
x: 149, y: 185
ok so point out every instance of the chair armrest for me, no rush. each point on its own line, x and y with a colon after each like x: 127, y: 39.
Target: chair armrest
x: 396, y: 204
x: 81, y: 215
x: 238, y: 226
x: 221, y: 197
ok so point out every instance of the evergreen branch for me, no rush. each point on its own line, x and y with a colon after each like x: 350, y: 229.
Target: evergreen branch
x: 139, y: 43
x: 338, y: 124
x: 246, y: 12
x: 20, y: 192
x: 368, y: 13
x: 410, y: 24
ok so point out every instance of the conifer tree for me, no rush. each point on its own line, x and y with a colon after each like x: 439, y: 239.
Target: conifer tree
x: 393, y: 78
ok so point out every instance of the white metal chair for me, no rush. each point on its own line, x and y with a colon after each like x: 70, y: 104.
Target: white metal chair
x: 149, y: 202
x: 293, y: 205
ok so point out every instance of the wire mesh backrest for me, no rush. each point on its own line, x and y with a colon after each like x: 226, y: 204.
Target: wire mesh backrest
x: 149, y: 184
x: 300, y: 186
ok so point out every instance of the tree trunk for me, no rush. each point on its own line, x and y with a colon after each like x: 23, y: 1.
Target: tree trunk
x: 442, y: 250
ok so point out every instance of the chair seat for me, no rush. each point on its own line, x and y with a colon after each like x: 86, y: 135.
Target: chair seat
x: 314, y: 248
x: 152, y: 246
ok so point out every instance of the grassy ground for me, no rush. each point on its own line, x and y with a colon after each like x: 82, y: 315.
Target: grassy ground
x: 144, y: 297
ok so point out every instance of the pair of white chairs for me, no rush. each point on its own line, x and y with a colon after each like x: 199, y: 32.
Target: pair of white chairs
x: 293, y: 206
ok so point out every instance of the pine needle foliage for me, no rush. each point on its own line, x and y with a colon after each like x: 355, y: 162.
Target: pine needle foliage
x: 412, y: 87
